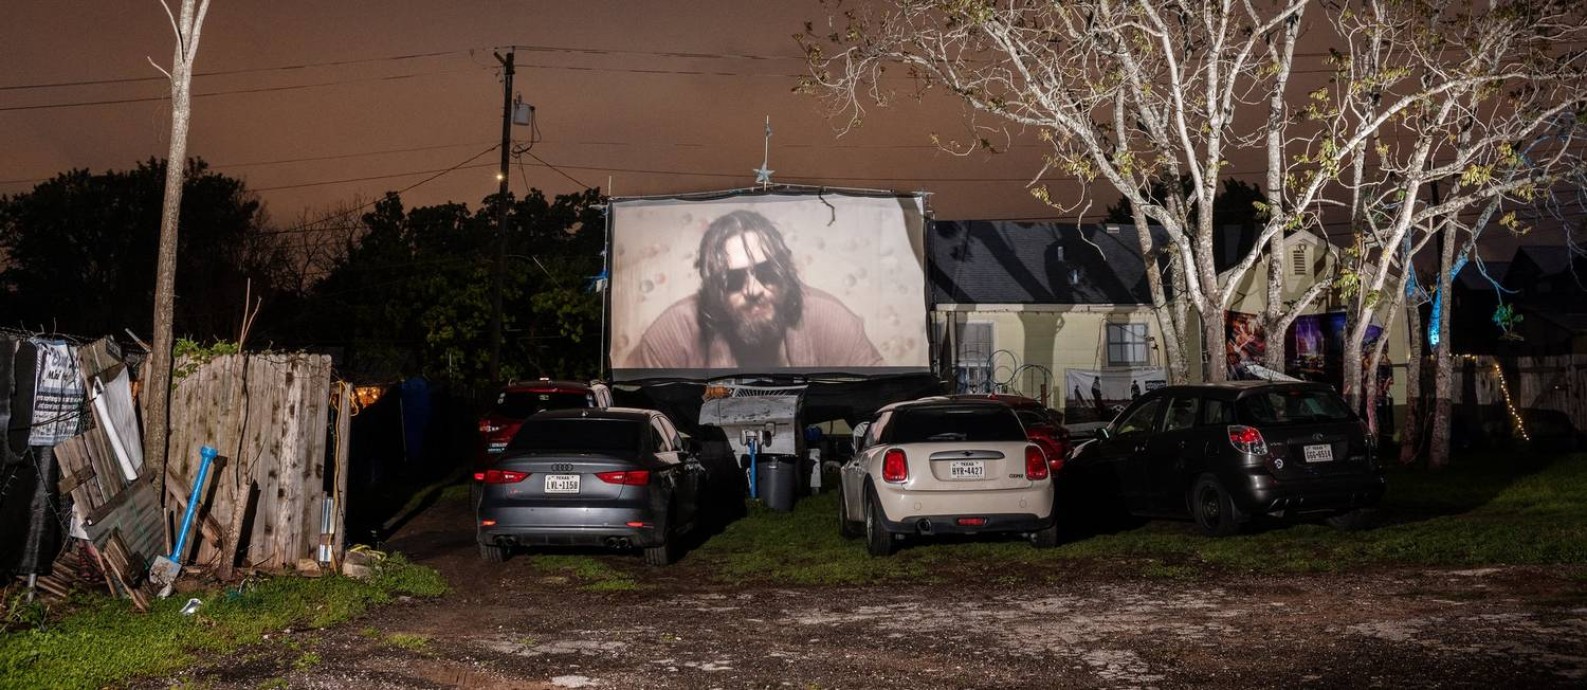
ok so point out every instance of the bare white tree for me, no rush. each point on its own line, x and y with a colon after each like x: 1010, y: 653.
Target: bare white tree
x: 1485, y: 101
x: 157, y: 389
x: 1132, y: 92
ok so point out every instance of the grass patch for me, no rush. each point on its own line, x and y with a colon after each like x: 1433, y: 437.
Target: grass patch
x: 455, y: 493
x: 104, y: 641
x: 305, y: 661
x: 591, y: 573
x: 1483, y: 510
x: 802, y: 547
x: 408, y: 641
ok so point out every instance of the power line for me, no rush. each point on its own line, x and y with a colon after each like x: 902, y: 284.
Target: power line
x: 559, y: 171
x: 221, y: 73
x: 307, y: 227
x: 232, y: 92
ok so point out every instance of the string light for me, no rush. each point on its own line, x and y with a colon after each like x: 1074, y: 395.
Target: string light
x: 1504, y: 387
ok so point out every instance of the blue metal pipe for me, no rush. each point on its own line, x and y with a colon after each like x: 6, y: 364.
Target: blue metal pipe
x: 207, y: 453
x: 754, y: 448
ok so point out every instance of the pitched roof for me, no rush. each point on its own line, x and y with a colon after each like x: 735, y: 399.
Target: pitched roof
x: 1549, y: 259
x: 1006, y: 262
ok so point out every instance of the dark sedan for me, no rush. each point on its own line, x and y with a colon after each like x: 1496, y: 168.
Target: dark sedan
x: 616, y: 477
x: 1223, y: 453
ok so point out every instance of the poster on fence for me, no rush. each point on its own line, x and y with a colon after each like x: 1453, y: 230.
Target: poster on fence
x: 1092, y: 395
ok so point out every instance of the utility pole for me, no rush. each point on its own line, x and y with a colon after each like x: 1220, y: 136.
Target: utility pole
x: 501, y: 220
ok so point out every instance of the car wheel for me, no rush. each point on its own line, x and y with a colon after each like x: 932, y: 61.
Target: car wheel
x: 1046, y: 537
x: 878, y: 541
x: 494, y: 553
x: 1214, y: 511
x: 1350, y: 521
x: 659, y: 555
x: 665, y: 552
x: 846, y: 528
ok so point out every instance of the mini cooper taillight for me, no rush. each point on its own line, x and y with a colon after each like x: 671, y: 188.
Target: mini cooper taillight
x: 1035, y: 463
x: 500, y: 476
x: 895, y: 466
x: 1246, y: 439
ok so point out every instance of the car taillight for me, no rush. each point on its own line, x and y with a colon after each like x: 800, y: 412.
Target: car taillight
x: 1247, y: 439
x: 625, y: 478
x: 1035, y: 463
x: 500, y: 476
x: 488, y: 427
x: 895, y: 466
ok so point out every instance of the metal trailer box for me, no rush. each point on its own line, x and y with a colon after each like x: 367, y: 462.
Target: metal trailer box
x: 774, y: 419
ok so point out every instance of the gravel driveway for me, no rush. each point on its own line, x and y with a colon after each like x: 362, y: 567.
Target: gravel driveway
x: 512, y: 626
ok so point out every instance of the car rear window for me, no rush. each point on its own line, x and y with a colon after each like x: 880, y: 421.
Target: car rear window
x: 1295, y: 406
x: 578, y: 434
x: 1032, y: 418
x: 522, y: 404
x: 978, y: 423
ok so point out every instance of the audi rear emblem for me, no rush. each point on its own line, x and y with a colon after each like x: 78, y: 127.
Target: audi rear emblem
x: 562, y: 467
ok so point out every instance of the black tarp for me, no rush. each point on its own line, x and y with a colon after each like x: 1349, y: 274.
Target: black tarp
x: 32, y: 516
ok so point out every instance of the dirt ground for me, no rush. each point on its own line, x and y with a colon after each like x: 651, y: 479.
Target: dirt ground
x: 510, y: 626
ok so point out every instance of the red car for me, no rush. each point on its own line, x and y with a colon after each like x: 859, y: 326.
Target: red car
x: 520, y: 399
x: 1042, y: 426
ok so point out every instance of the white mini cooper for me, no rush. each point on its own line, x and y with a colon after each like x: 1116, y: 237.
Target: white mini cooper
x: 944, y: 466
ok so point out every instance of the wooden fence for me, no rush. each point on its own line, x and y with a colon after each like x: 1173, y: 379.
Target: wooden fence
x: 267, y: 416
x: 1525, y: 385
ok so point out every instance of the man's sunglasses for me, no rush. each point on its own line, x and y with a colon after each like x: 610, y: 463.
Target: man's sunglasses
x: 765, y: 274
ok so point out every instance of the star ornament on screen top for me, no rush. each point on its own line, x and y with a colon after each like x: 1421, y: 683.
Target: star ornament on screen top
x: 763, y: 173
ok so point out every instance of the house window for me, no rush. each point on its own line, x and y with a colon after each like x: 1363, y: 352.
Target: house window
x: 1126, y: 344
x: 973, y: 370
x: 1298, y: 261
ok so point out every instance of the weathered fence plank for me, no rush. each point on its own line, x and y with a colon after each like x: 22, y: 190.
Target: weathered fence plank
x: 266, y: 414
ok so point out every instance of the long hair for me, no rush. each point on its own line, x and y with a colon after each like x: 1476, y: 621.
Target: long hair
x: 714, y: 315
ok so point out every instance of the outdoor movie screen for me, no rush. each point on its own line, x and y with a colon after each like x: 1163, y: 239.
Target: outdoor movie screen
x: 767, y: 284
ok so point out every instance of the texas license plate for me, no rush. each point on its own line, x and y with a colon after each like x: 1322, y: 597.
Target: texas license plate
x: 1322, y: 453
x: 562, y: 483
x: 967, y: 469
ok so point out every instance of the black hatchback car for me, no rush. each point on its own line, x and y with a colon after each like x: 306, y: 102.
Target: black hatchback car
x: 1223, y: 453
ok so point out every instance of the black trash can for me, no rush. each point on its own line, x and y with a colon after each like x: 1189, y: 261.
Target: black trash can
x: 775, y: 481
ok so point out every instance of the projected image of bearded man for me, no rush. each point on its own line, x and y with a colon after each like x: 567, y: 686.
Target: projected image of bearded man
x: 752, y: 311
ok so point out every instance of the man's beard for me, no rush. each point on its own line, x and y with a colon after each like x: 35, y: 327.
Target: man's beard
x: 749, y: 333
x: 753, y: 340
x: 757, y: 333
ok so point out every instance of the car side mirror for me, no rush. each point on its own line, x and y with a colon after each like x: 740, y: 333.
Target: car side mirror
x: 1103, y: 434
x: 859, y: 435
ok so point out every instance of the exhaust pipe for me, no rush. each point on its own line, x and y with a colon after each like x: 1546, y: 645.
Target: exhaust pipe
x: 924, y: 526
x: 618, y: 543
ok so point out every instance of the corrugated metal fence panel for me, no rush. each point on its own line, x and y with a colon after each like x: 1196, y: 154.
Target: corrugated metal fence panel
x: 135, y: 513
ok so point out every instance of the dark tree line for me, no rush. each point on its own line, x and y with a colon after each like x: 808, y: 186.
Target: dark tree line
x: 405, y: 290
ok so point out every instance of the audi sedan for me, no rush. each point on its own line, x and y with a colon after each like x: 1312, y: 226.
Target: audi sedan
x: 945, y: 466
x: 1225, y: 453
x: 615, y: 477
